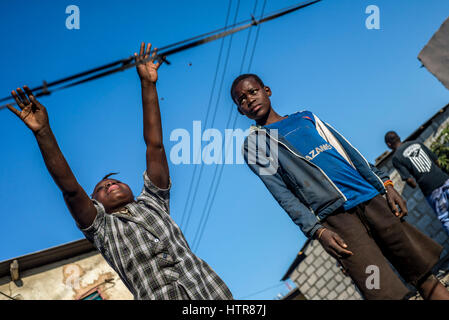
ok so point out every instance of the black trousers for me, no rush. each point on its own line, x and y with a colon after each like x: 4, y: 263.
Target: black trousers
x: 375, y: 236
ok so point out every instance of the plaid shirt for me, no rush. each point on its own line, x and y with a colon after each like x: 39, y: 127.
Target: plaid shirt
x: 149, y: 252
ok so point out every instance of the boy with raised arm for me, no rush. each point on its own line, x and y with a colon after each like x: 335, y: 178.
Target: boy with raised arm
x: 137, y: 237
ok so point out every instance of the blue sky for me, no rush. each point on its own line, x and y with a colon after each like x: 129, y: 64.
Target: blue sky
x: 364, y: 82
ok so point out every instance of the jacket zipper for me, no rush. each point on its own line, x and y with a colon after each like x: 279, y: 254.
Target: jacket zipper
x: 333, y: 184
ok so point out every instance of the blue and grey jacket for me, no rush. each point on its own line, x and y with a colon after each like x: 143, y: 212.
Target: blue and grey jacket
x: 302, y: 188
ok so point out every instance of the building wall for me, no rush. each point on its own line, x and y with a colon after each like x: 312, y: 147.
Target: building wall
x: 318, y: 276
x: 67, y: 280
x: 420, y: 213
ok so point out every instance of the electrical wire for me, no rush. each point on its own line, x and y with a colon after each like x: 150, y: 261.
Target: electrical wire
x: 214, y: 186
x: 261, y: 291
x: 189, y: 215
x: 207, y: 116
x: 205, y: 213
x: 127, y: 62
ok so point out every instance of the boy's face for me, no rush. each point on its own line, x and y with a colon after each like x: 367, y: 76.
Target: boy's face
x: 252, y: 99
x: 113, y: 194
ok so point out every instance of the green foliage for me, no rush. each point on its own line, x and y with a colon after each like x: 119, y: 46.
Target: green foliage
x: 441, y: 148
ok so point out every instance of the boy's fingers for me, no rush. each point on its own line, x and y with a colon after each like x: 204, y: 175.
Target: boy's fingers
x: 138, y: 59
x: 28, y: 91
x: 341, y: 252
x: 13, y: 110
x: 16, y: 98
x: 344, y: 252
x: 334, y: 253
x: 154, y: 53
x: 160, y: 61
x: 31, y: 96
x: 403, y: 213
x: 36, y: 103
x: 147, y: 53
x: 403, y: 207
x: 23, y: 96
x: 340, y: 246
x: 142, y: 48
x: 393, y: 206
x: 340, y: 241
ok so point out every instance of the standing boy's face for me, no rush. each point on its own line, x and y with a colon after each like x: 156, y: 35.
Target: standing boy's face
x: 113, y: 194
x: 252, y: 99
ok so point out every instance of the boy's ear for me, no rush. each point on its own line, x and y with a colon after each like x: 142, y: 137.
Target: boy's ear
x: 267, y: 90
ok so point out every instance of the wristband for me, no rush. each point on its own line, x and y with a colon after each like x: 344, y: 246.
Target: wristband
x: 388, y: 183
x: 321, y: 232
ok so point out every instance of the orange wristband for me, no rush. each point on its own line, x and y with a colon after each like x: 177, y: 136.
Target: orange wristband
x: 388, y: 183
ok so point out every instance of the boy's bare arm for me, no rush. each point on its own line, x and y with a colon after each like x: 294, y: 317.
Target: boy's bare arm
x: 411, y: 182
x: 34, y: 115
x: 157, y: 166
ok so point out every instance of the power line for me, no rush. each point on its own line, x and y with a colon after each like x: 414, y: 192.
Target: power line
x: 207, y: 114
x: 213, y: 119
x: 201, y: 224
x: 263, y: 290
x: 257, y: 37
x: 205, y: 213
x: 127, y: 63
x: 214, y: 187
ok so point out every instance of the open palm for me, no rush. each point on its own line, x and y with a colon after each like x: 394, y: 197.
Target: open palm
x: 32, y: 113
x: 147, y: 70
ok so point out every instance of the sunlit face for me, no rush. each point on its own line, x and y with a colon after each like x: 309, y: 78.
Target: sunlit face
x: 252, y: 99
x: 113, y: 194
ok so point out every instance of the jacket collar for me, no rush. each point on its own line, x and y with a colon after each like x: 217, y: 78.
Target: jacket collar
x: 255, y: 127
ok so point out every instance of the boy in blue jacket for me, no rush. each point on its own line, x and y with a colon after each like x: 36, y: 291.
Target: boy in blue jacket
x: 335, y: 196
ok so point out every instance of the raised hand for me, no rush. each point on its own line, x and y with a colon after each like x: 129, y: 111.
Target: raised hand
x: 32, y: 113
x: 147, y: 70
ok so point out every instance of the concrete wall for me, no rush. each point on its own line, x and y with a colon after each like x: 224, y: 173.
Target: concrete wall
x: 318, y: 277
x: 67, y: 280
x: 421, y: 214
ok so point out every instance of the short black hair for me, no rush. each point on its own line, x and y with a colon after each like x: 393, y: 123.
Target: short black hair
x: 104, y: 178
x: 391, y: 137
x: 243, y: 77
x: 108, y: 175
